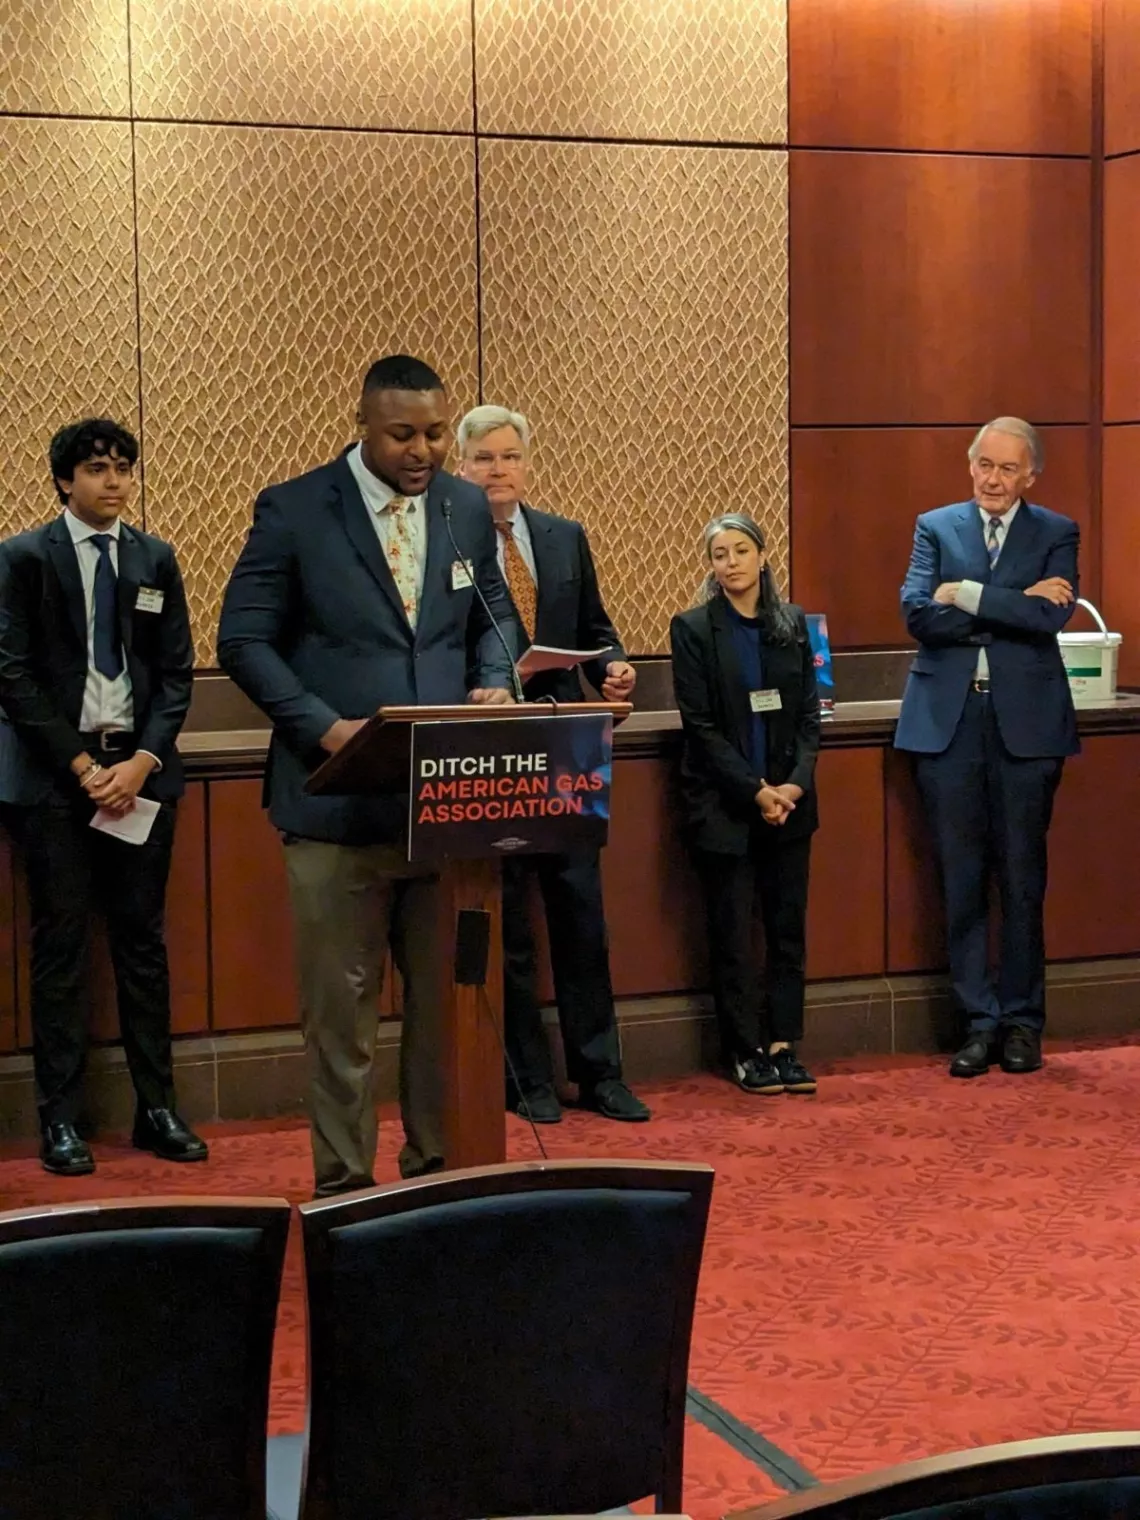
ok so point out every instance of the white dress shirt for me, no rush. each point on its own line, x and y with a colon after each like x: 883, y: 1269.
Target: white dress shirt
x: 378, y: 495
x: 106, y: 703
x: 969, y: 593
x: 521, y: 534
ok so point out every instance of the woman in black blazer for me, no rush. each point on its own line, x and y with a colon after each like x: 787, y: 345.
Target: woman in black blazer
x: 744, y: 679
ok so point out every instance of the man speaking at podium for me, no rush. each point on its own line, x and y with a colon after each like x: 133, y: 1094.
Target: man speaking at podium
x: 548, y: 567
x: 348, y: 596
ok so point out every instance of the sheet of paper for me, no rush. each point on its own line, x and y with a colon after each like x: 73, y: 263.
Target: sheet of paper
x: 538, y: 657
x: 133, y: 827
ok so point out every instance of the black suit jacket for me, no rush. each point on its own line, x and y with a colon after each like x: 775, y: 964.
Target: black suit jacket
x: 313, y: 629
x: 43, y: 658
x: 718, y: 783
x: 570, y: 612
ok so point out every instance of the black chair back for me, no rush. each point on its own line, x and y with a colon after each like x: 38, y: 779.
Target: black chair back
x: 135, y: 1346
x: 504, y: 1341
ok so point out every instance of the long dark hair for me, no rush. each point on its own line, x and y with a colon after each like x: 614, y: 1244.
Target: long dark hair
x: 776, y: 621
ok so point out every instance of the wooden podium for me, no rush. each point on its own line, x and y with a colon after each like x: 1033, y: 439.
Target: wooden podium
x: 379, y: 758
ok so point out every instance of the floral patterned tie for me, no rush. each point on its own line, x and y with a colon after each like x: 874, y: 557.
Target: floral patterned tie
x: 520, y: 582
x: 401, y: 552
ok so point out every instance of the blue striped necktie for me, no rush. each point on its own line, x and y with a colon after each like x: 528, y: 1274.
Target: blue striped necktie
x: 107, y: 641
x: 993, y: 546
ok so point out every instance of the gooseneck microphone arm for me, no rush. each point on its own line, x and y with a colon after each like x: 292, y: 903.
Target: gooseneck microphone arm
x: 516, y: 683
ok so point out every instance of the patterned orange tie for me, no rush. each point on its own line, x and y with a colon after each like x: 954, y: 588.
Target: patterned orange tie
x: 401, y: 551
x: 520, y: 582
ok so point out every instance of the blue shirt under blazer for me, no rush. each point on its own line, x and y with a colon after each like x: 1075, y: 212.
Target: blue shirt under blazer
x: 313, y: 629
x: 1029, y: 689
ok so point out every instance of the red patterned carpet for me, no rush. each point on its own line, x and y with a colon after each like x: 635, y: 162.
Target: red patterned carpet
x: 903, y: 1265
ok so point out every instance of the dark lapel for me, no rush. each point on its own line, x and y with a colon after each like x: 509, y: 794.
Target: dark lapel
x: 973, y: 542
x: 1019, y: 539
x: 65, y: 562
x: 731, y: 681
x: 440, y: 555
x: 356, y: 516
x: 548, y: 567
x: 132, y: 562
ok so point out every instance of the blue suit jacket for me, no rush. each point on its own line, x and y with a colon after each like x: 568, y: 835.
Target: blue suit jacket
x: 313, y: 629
x: 570, y: 613
x: 1029, y: 688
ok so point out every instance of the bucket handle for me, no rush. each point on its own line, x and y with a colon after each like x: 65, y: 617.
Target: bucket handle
x: 1097, y: 619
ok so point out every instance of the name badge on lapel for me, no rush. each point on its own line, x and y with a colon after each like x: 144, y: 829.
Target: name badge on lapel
x: 148, y: 600
x: 765, y: 701
x: 461, y: 577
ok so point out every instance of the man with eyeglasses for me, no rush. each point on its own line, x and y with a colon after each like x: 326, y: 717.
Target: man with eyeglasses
x: 988, y: 713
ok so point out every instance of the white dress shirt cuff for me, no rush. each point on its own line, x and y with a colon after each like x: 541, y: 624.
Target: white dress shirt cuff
x: 153, y: 756
x: 968, y: 597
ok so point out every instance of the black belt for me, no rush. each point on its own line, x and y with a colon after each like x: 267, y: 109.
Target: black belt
x: 982, y: 686
x: 111, y: 741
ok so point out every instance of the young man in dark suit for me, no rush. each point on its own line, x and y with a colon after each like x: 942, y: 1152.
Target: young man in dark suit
x: 549, y: 570
x: 350, y: 595
x: 96, y: 665
x: 988, y: 712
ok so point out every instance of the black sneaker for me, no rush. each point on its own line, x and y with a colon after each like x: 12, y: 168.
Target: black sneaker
x: 794, y: 1075
x: 757, y: 1075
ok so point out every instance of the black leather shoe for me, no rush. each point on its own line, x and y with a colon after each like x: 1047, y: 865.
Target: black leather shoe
x: 161, y: 1130
x: 1021, y: 1051
x: 973, y: 1060
x: 613, y: 1100
x: 63, y: 1152
x: 540, y: 1105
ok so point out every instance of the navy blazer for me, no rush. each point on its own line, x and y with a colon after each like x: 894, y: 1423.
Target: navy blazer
x: 313, y: 629
x: 570, y: 613
x: 43, y: 659
x: 1028, y: 685
x: 718, y: 783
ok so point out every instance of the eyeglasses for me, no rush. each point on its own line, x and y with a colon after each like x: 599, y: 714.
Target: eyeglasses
x: 1006, y: 471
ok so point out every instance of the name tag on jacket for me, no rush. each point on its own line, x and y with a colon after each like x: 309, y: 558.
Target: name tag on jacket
x: 461, y: 575
x: 148, y: 600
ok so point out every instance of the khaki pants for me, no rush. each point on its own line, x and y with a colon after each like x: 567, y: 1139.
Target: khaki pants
x: 350, y: 902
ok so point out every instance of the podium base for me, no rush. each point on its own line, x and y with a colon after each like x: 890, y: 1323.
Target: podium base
x: 474, y: 1092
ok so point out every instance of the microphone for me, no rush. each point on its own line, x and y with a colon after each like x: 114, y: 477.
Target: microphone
x: 516, y: 683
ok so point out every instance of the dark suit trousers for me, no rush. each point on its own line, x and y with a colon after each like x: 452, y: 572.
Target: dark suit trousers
x: 990, y: 814
x: 571, y: 887
x: 754, y: 1011
x: 75, y: 872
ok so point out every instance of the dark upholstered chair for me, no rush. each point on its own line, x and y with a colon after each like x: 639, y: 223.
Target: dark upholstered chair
x: 135, y: 1343
x: 512, y: 1340
x: 1089, y: 1477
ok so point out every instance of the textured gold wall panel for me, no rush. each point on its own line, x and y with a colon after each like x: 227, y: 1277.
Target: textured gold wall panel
x: 273, y: 267
x: 66, y: 57
x: 635, y: 307
x: 678, y: 70
x: 67, y: 295
x: 350, y: 63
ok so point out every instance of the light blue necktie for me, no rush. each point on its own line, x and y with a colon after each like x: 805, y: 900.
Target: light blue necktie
x: 993, y: 547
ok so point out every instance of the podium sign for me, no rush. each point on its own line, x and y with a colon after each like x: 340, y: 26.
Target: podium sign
x: 509, y: 786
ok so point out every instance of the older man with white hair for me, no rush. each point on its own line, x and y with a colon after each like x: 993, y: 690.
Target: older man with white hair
x: 988, y: 712
x: 549, y: 570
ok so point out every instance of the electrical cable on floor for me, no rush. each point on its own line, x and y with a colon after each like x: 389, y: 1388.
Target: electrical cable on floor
x: 524, y: 1106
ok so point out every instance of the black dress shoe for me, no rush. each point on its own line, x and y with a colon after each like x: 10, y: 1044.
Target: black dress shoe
x: 973, y: 1060
x: 613, y: 1100
x: 540, y: 1105
x: 63, y: 1152
x: 1021, y: 1051
x: 161, y: 1130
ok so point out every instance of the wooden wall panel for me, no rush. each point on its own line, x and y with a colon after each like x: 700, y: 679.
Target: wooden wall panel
x: 1121, y: 76
x: 856, y: 493
x: 845, y: 909
x: 915, y: 938
x: 1093, y: 907
x: 1120, y: 526
x: 1122, y: 290
x: 938, y: 289
x: 653, y: 900
x: 251, y: 929
x: 1010, y: 77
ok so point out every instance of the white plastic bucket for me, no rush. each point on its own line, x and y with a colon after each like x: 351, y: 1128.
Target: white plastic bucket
x: 1090, y: 660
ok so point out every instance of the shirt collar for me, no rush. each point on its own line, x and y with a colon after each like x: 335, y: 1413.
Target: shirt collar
x: 377, y: 493
x: 81, y: 532
x: 1003, y: 521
